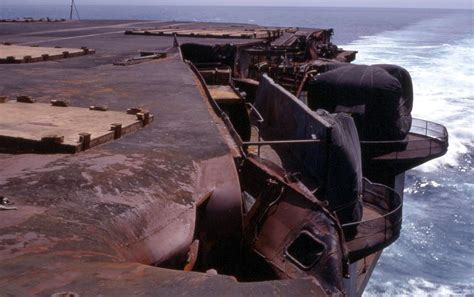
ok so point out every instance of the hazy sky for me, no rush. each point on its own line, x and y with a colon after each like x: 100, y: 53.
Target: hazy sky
x: 465, y: 4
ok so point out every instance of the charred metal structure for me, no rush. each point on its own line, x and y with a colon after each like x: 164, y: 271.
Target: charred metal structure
x: 198, y: 159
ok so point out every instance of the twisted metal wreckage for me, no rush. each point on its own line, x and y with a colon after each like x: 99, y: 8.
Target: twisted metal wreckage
x: 287, y: 179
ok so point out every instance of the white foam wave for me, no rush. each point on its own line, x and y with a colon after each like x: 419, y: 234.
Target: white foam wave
x: 418, y: 287
x: 442, y: 69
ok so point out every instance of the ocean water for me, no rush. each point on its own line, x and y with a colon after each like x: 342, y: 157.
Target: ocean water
x: 435, y: 253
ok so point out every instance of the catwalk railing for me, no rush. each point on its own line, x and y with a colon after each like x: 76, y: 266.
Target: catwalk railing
x: 380, y: 224
x: 426, y: 139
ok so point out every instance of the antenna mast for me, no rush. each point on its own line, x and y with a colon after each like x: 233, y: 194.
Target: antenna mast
x: 70, y: 12
x: 73, y: 7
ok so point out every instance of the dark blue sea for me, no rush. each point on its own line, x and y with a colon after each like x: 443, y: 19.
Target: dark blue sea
x: 435, y: 253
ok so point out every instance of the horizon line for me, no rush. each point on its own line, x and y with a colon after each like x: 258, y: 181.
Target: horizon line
x: 248, y: 5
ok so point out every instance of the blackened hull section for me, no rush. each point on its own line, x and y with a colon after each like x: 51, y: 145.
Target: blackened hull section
x: 333, y: 166
x: 289, y: 229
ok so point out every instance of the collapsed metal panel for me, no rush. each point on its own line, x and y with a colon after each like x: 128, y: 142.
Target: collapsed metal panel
x: 288, y: 228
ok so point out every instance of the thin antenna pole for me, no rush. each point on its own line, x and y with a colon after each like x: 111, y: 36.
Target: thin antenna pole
x: 77, y: 11
x: 70, y: 12
x: 74, y: 8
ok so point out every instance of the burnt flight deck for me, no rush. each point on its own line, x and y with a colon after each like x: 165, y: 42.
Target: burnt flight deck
x: 182, y: 203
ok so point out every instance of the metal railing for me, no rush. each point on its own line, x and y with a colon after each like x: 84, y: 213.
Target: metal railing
x: 384, y: 205
x: 430, y: 129
x: 425, y: 139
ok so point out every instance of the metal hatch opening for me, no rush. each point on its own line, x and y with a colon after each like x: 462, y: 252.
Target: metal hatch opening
x: 305, y: 251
